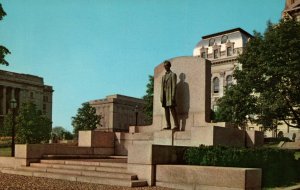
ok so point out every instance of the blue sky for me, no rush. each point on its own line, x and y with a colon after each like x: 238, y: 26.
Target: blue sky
x: 88, y: 49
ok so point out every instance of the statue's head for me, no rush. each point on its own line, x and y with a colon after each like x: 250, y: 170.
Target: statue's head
x: 167, y: 65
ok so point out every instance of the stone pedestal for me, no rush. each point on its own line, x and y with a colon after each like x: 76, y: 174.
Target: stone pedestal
x: 96, y: 139
x: 192, y: 92
x: 217, y: 136
x: 165, y: 137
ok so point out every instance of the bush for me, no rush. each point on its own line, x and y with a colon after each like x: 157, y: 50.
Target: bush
x: 279, y: 166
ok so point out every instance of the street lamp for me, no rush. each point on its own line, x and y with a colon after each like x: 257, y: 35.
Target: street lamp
x: 136, y: 110
x: 13, y: 106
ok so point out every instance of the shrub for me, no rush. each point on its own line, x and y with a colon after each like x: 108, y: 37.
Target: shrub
x: 279, y: 166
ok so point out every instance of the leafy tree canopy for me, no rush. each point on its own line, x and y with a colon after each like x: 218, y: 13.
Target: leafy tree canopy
x: 61, y: 133
x: 148, y: 98
x: 85, y: 119
x: 31, y: 125
x: 2, y: 12
x: 3, y: 50
x: 268, y: 85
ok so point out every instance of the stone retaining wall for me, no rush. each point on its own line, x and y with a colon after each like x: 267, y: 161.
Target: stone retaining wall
x: 207, y: 177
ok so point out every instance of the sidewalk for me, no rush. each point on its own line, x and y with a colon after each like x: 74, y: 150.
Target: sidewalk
x: 18, y: 182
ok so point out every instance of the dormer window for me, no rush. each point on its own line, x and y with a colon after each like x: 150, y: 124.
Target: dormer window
x: 229, y: 48
x: 224, y: 39
x: 211, y: 42
x: 216, y: 53
x: 203, y: 55
x: 229, y: 51
x: 203, y: 52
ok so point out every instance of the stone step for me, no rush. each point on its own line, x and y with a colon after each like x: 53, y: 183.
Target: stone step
x: 101, y: 162
x: 73, y: 177
x: 75, y: 156
x: 84, y: 156
x: 80, y: 167
x: 82, y: 172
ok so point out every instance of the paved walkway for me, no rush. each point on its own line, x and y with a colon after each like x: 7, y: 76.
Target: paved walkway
x: 17, y: 182
x: 295, y: 187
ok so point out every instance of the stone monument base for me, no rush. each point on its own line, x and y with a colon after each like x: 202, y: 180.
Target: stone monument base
x: 209, y: 135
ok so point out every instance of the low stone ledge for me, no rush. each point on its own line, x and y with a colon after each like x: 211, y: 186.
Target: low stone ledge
x: 36, y: 151
x: 208, y: 177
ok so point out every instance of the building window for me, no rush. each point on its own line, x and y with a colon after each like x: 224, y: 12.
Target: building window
x: 224, y: 39
x: 44, y: 108
x: 203, y: 55
x: 216, y: 85
x: 229, y: 80
x: 45, y: 98
x: 211, y: 42
x: 229, y: 51
x: 216, y: 53
x: 31, y: 95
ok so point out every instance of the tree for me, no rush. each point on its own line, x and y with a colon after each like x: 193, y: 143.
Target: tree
x: 60, y: 133
x: 7, y: 124
x: 85, y: 119
x: 3, y: 50
x: 268, y: 83
x: 235, y: 106
x: 148, y: 98
x: 31, y: 125
x: 68, y: 135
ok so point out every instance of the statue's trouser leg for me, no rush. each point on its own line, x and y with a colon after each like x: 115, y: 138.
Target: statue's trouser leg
x: 167, y: 113
x: 174, y: 114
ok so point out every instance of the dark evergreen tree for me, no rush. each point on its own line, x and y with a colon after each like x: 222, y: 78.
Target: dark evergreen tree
x: 148, y: 109
x: 31, y: 125
x: 85, y: 119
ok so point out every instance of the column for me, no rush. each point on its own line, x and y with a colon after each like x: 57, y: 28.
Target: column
x: 12, y: 93
x: 4, y: 101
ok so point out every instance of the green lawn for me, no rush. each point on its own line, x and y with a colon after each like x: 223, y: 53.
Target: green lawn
x: 5, y: 151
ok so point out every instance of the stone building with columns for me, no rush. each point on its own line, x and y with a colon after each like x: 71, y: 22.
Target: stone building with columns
x: 24, y: 88
x: 118, y: 112
x: 222, y: 49
x: 292, y: 10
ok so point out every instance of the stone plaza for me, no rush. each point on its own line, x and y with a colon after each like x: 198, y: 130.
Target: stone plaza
x: 126, y: 150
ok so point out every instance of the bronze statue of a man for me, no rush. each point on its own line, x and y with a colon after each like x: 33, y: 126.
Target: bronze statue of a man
x: 168, y: 95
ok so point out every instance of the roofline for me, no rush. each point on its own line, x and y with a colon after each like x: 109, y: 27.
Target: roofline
x: 22, y: 74
x: 227, y: 31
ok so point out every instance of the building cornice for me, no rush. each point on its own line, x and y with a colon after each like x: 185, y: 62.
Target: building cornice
x: 226, y: 32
